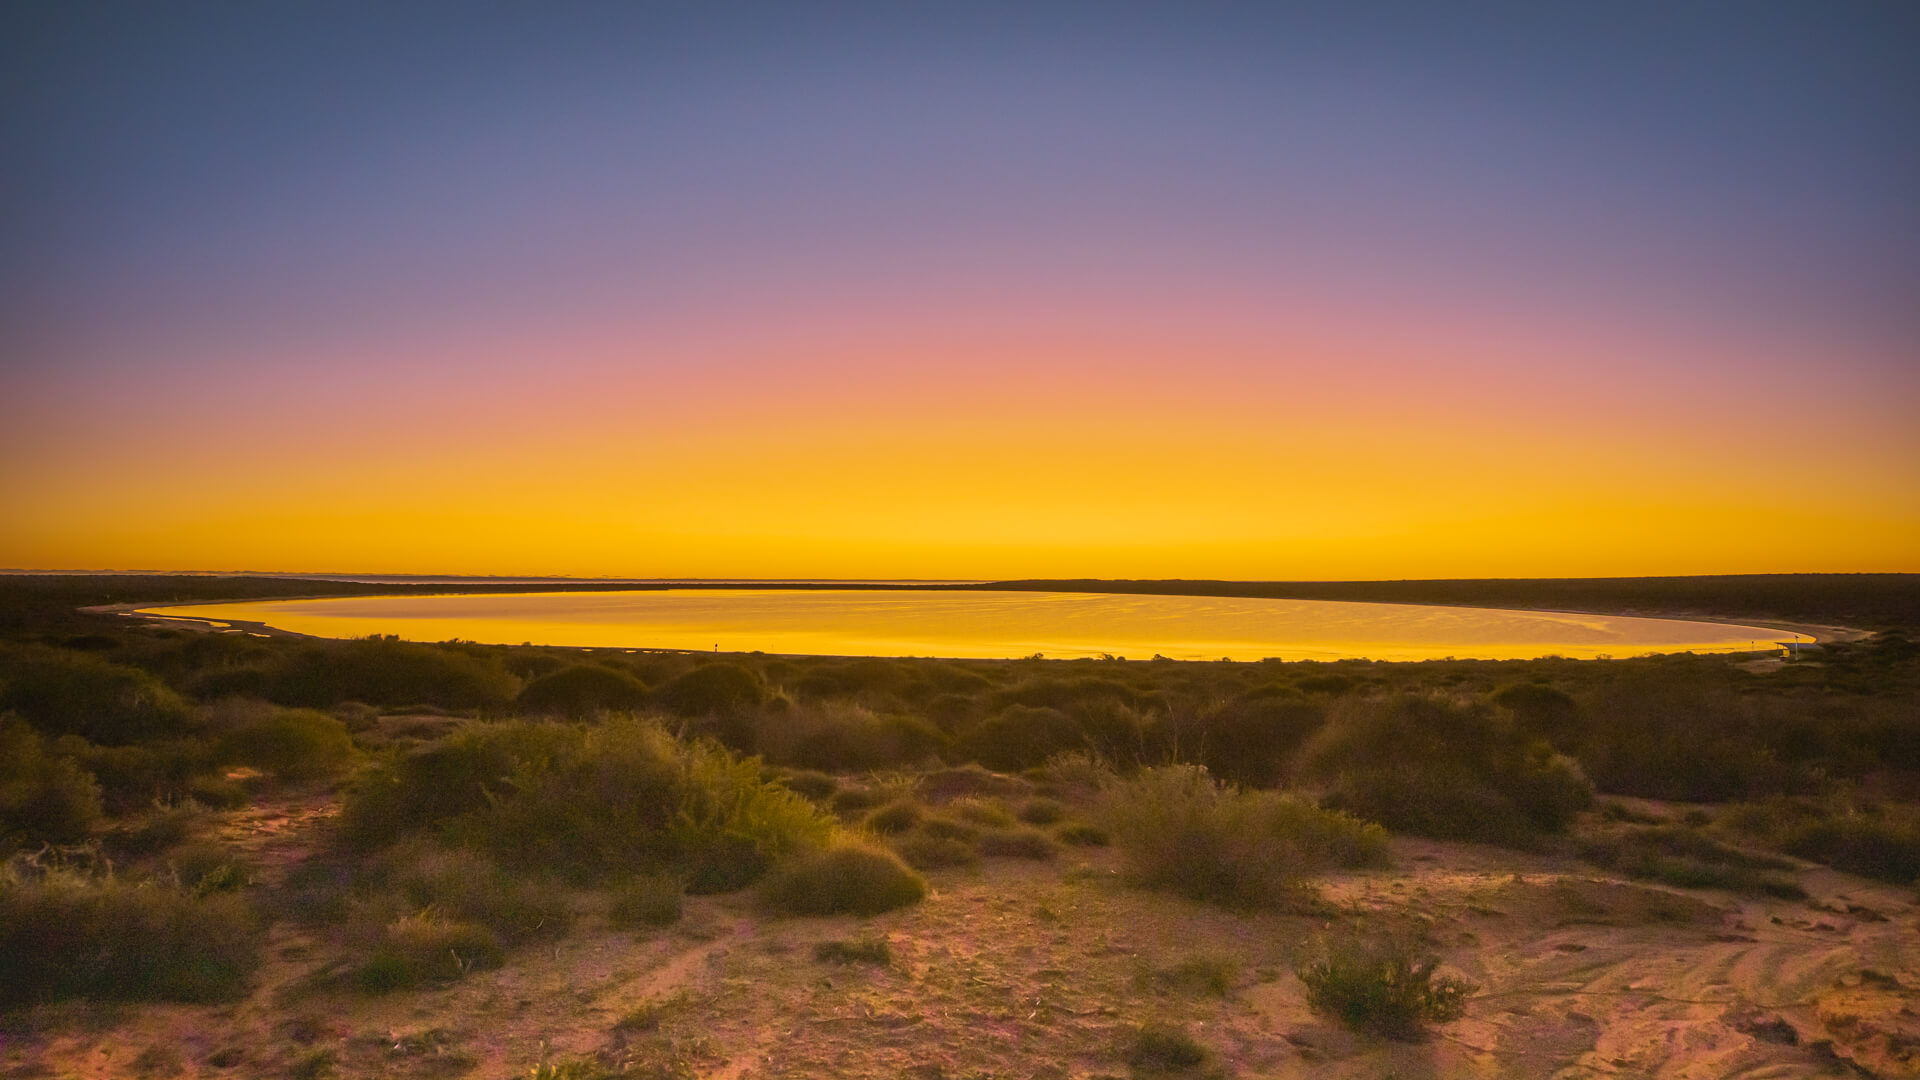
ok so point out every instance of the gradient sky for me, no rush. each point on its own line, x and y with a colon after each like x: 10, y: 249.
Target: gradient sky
x: 961, y: 290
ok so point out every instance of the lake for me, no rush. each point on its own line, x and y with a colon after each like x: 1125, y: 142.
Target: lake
x: 855, y: 622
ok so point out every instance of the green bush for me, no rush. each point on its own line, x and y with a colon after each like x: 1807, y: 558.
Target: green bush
x: 43, y: 799
x: 1020, y: 737
x: 591, y: 804
x: 1180, y: 830
x: 1018, y: 843
x: 134, y: 777
x: 845, y: 737
x: 1436, y: 768
x: 896, y: 817
x: 428, y: 948
x: 582, y: 690
x: 710, y: 689
x: 1039, y: 811
x: 385, y: 671
x: 466, y: 886
x: 848, y: 878
x: 1384, y: 986
x: 646, y: 900
x: 75, y: 694
x: 1163, y: 1049
x: 924, y: 851
x: 461, y: 774
x: 293, y: 744
x: 1869, y: 839
x: 873, y: 951
x: 1677, y: 855
x: 65, y: 936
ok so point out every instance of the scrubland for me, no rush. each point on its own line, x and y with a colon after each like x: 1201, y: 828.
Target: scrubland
x: 233, y: 855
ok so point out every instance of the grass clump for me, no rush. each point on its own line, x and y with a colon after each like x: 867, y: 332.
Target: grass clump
x: 1083, y: 834
x: 895, y: 817
x: 1019, y: 843
x: 466, y: 886
x: 1677, y: 855
x: 1042, y: 811
x: 873, y: 951
x: 1211, y: 974
x: 428, y: 948
x: 1385, y: 987
x: 1164, y: 1049
x: 647, y: 900
x: 925, y: 851
x: 847, y: 878
x: 987, y: 813
x: 1182, y: 831
x: 1872, y: 840
x: 63, y: 935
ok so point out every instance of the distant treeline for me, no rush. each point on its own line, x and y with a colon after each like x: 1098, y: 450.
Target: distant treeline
x: 1872, y: 601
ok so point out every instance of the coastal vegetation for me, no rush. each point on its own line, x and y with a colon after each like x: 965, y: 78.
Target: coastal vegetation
x: 471, y: 808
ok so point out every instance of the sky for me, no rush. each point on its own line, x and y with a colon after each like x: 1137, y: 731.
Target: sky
x: 954, y: 291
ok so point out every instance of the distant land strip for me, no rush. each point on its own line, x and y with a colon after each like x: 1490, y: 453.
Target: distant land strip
x: 1867, y: 601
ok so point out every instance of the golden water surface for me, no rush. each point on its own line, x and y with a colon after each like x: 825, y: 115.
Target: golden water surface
x: 855, y: 622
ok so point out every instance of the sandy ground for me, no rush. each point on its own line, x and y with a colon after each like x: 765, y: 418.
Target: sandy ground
x: 1043, y: 969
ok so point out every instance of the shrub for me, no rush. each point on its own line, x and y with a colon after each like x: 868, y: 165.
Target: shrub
x: 1083, y: 834
x: 646, y: 900
x: 429, y: 948
x: 134, y: 777
x: 590, y: 804
x: 1676, y: 855
x: 1020, y: 737
x: 1162, y: 1048
x: 1019, y: 843
x: 847, y: 878
x: 812, y: 783
x: 895, y: 817
x: 74, y: 694
x: 1251, y: 741
x: 386, y: 671
x: 1386, y: 987
x: 294, y: 744
x: 848, y: 738
x: 1039, y: 811
x: 923, y: 851
x: 466, y: 886
x: 43, y: 799
x: 1883, y: 846
x: 1435, y: 768
x: 987, y: 813
x: 863, y: 951
x: 581, y: 690
x: 459, y: 775
x: 1180, y: 830
x: 64, y: 936
x: 712, y: 688
x: 1203, y: 973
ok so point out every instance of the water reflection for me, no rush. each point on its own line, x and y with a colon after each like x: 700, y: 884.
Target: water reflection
x: 856, y: 622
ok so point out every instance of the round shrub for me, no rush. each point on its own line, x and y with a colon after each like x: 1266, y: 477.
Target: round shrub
x: 294, y: 744
x: 73, y: 694
x: 710, y: 689
x: 849, y: 878
x: 581, y: 690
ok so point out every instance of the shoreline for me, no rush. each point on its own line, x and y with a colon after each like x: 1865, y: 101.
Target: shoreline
x: 1820, y: 633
